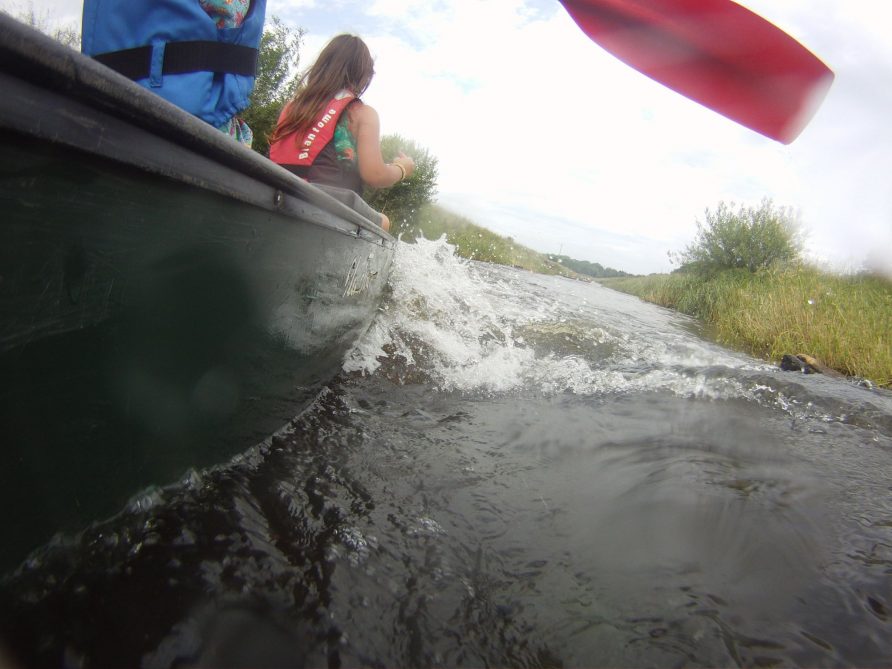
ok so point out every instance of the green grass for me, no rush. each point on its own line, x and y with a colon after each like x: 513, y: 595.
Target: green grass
x: 477, y: 243
x: 844, y: 321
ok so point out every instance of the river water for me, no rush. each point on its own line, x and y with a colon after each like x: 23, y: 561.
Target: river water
x: 511, y: 470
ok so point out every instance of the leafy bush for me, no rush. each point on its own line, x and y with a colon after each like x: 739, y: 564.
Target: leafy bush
x: 276, y: 81
x: 403, y: 201
x: 749, y: 238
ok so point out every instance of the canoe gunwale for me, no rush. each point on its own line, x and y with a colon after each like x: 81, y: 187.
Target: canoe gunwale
x: 94, y: 109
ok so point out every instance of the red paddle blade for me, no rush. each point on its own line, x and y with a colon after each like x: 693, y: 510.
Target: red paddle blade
x: 714, y: 52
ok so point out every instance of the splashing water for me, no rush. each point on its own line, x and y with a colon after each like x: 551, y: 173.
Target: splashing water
x: 484, y: 329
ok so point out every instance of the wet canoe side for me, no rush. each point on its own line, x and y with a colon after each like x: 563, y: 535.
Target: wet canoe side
x: 162, y: 306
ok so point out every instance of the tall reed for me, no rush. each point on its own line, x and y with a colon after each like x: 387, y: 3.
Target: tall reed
x: 844, y: 321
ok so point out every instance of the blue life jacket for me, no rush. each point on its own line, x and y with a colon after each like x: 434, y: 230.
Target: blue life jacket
x: 175, y: 49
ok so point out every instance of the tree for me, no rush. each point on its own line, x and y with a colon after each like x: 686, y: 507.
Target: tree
x: 277, y: 80
x: 403, y: 201
x: 750, y: 238
x: 69, y: 35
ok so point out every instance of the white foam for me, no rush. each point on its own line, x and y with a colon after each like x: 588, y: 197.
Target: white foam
x: 474, y: 328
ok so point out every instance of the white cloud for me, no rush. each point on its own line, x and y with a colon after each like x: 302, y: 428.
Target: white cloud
x: 526, y: 115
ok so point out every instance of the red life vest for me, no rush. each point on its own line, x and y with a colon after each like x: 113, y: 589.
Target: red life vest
x: 303, y: 149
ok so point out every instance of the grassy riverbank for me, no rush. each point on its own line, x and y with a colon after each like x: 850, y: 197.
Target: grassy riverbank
x: 477, y: 243
x: 844, y: 321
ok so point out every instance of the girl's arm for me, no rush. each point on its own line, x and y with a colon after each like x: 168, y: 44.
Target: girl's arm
x: 373, y: 170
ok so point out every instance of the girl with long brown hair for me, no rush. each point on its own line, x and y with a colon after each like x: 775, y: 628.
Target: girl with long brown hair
x: 327, y: 135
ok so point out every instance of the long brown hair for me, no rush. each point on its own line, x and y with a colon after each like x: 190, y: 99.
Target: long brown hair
x: 345, y: 62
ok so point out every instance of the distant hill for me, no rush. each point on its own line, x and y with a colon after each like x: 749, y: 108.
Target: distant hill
x: 478, y: 243
x: 588, y: 268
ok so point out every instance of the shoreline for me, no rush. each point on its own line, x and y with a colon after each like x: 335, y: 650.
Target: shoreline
x: 834, y: 324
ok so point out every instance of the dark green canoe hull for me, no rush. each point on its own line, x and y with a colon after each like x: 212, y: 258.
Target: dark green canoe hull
x: 166, y: 300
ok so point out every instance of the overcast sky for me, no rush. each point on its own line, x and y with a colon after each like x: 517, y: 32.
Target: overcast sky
x: 543, y: 136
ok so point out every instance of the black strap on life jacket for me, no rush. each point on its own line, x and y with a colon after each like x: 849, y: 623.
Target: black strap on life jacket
x: 182, y: 57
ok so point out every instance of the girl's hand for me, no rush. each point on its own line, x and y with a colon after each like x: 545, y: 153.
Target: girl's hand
x: 405, y: 162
